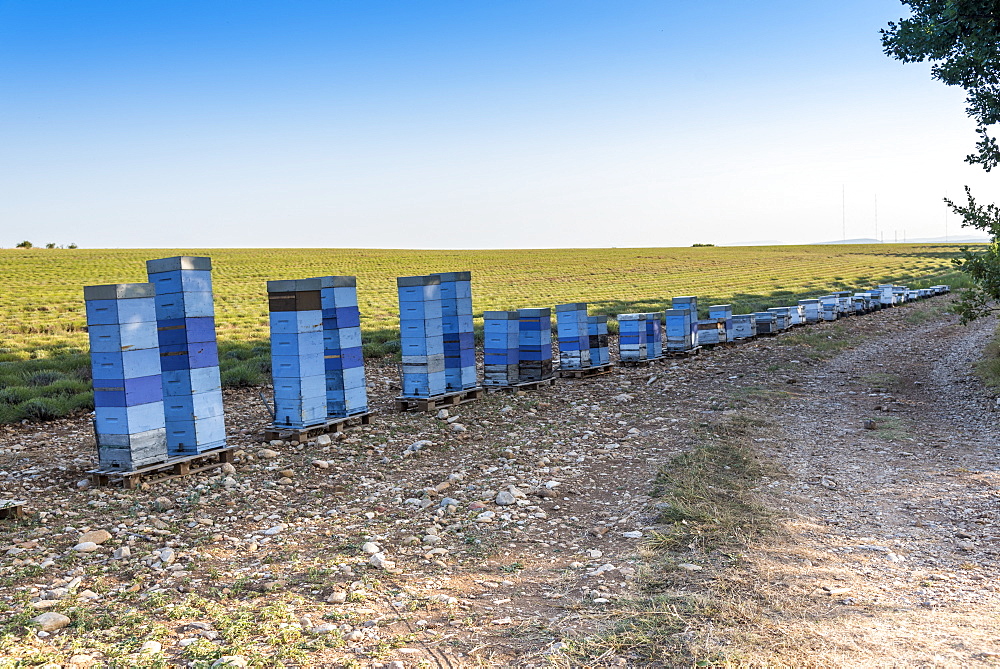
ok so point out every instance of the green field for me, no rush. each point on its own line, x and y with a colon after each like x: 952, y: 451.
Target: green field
x: 43, y: 340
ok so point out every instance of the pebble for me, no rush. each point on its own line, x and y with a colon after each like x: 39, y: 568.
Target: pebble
x: 321, y: 464
x: 505, y: 498
x: 274, y: 530
x: 151, y: 647
x: 338, y: 597
x: 86, y: 547
x: 267, y: 453
x: 167, y: 555
x: 324, y: 440
x: 227, y: 468
x: 380, y: 561
x: 325, y: 628
x: 81, y: 658
x: 635, y: 534
x: 457, y: 427
x: 370, y: 547
x: 50, y: 621
x: 163, y: 504
x: 230, y: 661
x: 122, y: 553
x: 687, y: 566
x: 443, y: 414
x: 95, y: 536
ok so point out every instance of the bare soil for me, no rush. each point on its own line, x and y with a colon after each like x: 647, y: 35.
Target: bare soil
x: 887, y: 552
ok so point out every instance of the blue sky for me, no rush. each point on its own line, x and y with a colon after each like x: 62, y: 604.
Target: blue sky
x: 468, y: 124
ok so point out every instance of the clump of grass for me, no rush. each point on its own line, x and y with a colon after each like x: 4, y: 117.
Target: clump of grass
x: 881, y: 381
x: 820, y: 344
x: 988, y: 367
x: 707, y: 493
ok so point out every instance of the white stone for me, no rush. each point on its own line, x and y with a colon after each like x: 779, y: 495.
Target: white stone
x: 274, y: 530
x: 86, y: 547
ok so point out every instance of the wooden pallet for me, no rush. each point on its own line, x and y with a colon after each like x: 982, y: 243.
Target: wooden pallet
x: 682, y: 354
x: 439, y: 401
x: 172, y: 468
x: 721, y: 344
x: 303, y: 434
x: 641, y: 363
x: 586, y: 373
x: 11, y: 508
x: 525, y: 385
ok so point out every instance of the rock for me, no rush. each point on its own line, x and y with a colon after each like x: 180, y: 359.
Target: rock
x: 505, y: 498
x: 457, y: 427
x: 397, y: 664
x: 81, y: 659
x: 163, y: 504
x: 276, y: 443
x: 635, y: 534
x: 828, y: 483
x: 44, y: 604
x: 321, y: 464
x: 86, y: 547
x: 274, y: 530
x: 287, y: 473
x: 229, y: 482
x: 431, y: 539
x: 448, y: 501
x: 325, y: 628
x: 380, y: 561
x: 151, y: 647
x: 83, y: 483
x: 355, y: 635
x: 96, y: 536
x: 230, y: 661
x: 122, y: 553
x: 167, y: 555
x: 370, y: 547
x: 337, y: 597
x: 227, y: 468
x: 89, y: 594
x: 443, y: 414
x: 687, y: 566
x: 485, y: 517
x: 324, y: 440
x: 50, y: 621
x: 267, y: 453
x: 870, y: 425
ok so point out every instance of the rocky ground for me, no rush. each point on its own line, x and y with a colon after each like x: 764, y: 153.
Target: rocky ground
x: 509, y: 530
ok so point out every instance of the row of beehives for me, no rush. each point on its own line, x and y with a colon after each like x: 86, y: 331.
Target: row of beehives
x: 640, y: 336
x: 155, y: 359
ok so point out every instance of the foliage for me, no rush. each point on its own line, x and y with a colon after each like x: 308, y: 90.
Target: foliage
x: 962, y: 40
x: 24, y: 245
x: 983, y: 267
x: 701, y: 245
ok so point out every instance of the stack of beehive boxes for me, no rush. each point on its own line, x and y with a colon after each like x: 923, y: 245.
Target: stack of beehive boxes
x: 681, y: 329
x: 744, y: 326
x: 632, y: 337
x: 764, y: 322
x: 597, y: 329
x: 690, y: 303
x: 534, y: 344
x: 811, y: 309
x: 343, y: 360
x: 297, y: 365
x: 829, y: 307
x: 458, y: 336
x: 782, y: 318
x: 125, y: 361
x: 421, y: 335
x: 500, y: 348
x: 572, y: 333
x: 654, y: 335
x: 724, y: 312
x: 189, y: 355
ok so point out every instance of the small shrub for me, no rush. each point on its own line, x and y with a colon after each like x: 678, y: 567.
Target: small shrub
x: 44, y: 377
x: 42, y: 408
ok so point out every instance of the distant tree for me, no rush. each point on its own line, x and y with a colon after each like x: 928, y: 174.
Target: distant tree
x: 24, y: 245
x: 700, y: 245
x: 72, y: 246
x: 961, y: 40
x: 50, y: 245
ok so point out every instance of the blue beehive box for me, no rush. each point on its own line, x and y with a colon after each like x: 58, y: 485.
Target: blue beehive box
x: 129, y: 421
x: 681, y: 329
x: 298, y: 354
x: 421, y: 336
x: 573, y: 337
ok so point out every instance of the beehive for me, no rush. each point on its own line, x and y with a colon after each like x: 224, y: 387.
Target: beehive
x: 457, y: 334
x: 298, y: 366
x: 343, y: 359
x: 421, y: 336
x: 189, y: 355
x: 500, y: 348
x: 534, y: 344
x: 597, y: 329
x: 129, y: 418
x: 573, y: 336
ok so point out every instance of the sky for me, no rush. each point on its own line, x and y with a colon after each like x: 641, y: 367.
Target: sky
x: 534, y: 124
